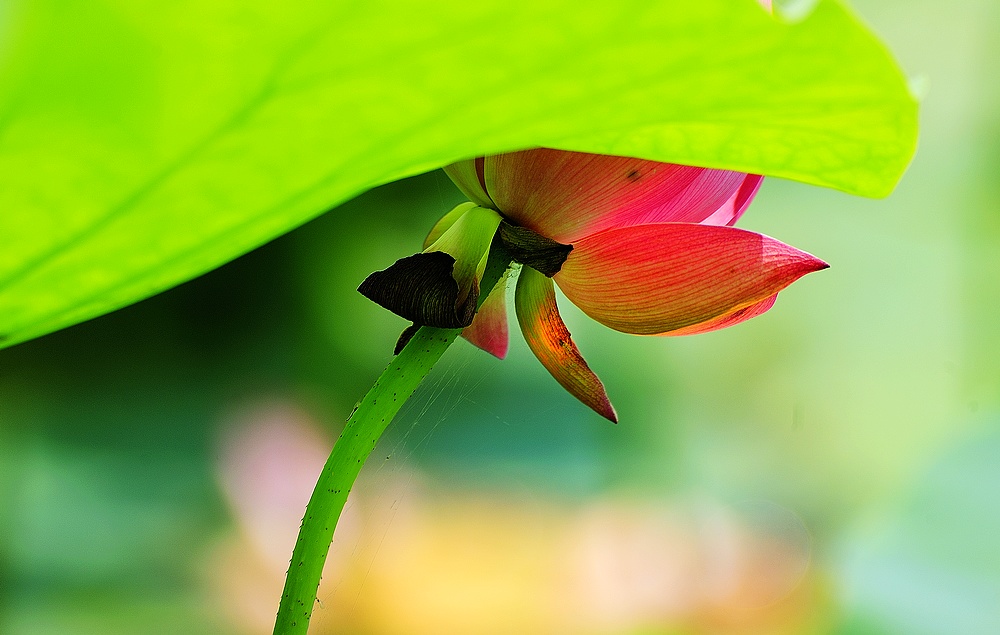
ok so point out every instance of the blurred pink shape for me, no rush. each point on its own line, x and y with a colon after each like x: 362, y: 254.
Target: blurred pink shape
x: 493, y: 563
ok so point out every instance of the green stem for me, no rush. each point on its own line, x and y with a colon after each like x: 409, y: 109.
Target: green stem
x: 362, y: 431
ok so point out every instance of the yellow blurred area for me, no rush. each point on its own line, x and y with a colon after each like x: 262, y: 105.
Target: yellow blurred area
x: 410, y: 562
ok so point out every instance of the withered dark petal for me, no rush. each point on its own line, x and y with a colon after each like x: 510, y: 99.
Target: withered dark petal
x: 529, y: 248
x: 421, y: 289
x: 405, y: 337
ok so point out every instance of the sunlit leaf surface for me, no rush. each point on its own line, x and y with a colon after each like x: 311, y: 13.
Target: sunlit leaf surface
x: 142, y: 144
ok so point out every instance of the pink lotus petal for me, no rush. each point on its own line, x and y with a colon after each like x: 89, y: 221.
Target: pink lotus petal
x: 731, y: 211
x: 729, y: 319
x: 652, y: 279
x: 550, y: 341
x: 488, y: 330
x: 468, y: 176
x: 566, y: 196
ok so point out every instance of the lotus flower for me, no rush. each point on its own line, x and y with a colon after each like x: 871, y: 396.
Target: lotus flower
x: 647, y: 248
x: 642, y: 247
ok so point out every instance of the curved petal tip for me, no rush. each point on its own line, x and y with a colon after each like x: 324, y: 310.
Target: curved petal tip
x: 550, y: 341
x: 654, y: 279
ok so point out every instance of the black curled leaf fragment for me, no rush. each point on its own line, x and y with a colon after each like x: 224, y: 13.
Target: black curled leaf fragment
x: 529, y: 248
x: 421, y: 289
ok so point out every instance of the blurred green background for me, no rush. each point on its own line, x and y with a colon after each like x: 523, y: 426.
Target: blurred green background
x: 830, y: 467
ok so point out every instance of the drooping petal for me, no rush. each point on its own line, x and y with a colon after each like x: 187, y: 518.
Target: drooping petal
x: 550, y: 341
x: 468, y: 176
x: 731, y: 211
x: 652, y: 279
x: 566, y: 196
x: 488, y: 330
x: 729, y: 319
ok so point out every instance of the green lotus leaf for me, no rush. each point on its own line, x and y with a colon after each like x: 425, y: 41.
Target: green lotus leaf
x: 145, y: 143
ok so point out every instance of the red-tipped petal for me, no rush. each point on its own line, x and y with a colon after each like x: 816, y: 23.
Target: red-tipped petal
x: 550, y: 341
x: 653, y: 279
x: 488, y: 330
x: 468, y: 176
x: 566, y: 196
x: 729, y: 319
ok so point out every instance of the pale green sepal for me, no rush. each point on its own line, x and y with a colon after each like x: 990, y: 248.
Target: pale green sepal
x: 445, y: 223
x: 468, y: 242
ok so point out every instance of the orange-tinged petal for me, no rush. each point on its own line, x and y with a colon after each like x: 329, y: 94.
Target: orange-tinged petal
x: 729, y: 319
x: 651, y: 279
x: 550, y: 341
x: 488, y: 330
x: 566, y: 196
x: 468, y: 176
